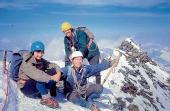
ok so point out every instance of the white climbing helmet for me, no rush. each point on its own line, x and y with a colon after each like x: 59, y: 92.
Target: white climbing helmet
x: 76, y: 54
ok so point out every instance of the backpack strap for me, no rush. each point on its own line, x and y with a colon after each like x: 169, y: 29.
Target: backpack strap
x: 87, y: 31
x: 81, y: 90
x: 72, y: 72
x: 69, y: 70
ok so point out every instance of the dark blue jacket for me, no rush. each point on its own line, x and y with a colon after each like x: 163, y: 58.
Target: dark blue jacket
x: 86, y: 70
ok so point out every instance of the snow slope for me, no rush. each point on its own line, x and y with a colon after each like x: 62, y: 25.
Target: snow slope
x: 3, y: 87
x: 19, y: 102
x: 138, y: 83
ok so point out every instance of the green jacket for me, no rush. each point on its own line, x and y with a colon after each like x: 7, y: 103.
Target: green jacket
x: 81, y: 40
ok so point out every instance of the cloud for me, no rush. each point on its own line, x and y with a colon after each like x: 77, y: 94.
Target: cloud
x: 129, y: 3
x: 124, y: 3
x: 165, y: 55
x: 4, y: 41
x: 18, y: 5
x: 123, y: 14
x: 159, y: 53
x: 168, y: 69
x: 151, y: 47
x: 110, y: 43
x: 55, y: 49
x: 6, y: 25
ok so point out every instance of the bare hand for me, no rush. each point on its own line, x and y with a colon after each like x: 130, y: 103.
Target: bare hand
x: 56, y: 77
x: 95, y: 108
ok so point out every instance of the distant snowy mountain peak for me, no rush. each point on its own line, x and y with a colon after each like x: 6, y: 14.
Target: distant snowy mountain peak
x: 133, y: 43
x: 134, y: 52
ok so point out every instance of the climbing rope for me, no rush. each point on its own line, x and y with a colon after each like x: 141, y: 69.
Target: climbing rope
x: 7, y: 80
x: 5, y: 73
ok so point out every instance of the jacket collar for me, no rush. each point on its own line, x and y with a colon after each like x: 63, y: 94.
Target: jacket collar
x: 29, y: 57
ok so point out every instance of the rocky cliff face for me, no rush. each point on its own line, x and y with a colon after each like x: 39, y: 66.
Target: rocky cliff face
x: 138, y: 84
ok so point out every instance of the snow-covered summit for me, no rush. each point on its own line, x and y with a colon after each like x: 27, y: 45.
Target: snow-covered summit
x: 133, y: 43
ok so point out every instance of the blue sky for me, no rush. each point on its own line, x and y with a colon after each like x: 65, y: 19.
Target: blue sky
x: 146, y: 21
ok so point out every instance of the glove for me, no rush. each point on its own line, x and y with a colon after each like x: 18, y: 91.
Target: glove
x: 60, y: 84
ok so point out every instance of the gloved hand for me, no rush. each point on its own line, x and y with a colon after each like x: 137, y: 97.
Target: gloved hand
x: 94, y: 107
x: 60, y: 84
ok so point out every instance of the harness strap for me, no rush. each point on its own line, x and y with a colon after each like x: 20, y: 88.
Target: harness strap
x: 81, y: 90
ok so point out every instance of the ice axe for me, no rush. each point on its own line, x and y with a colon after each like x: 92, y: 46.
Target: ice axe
x: 116, y: 61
